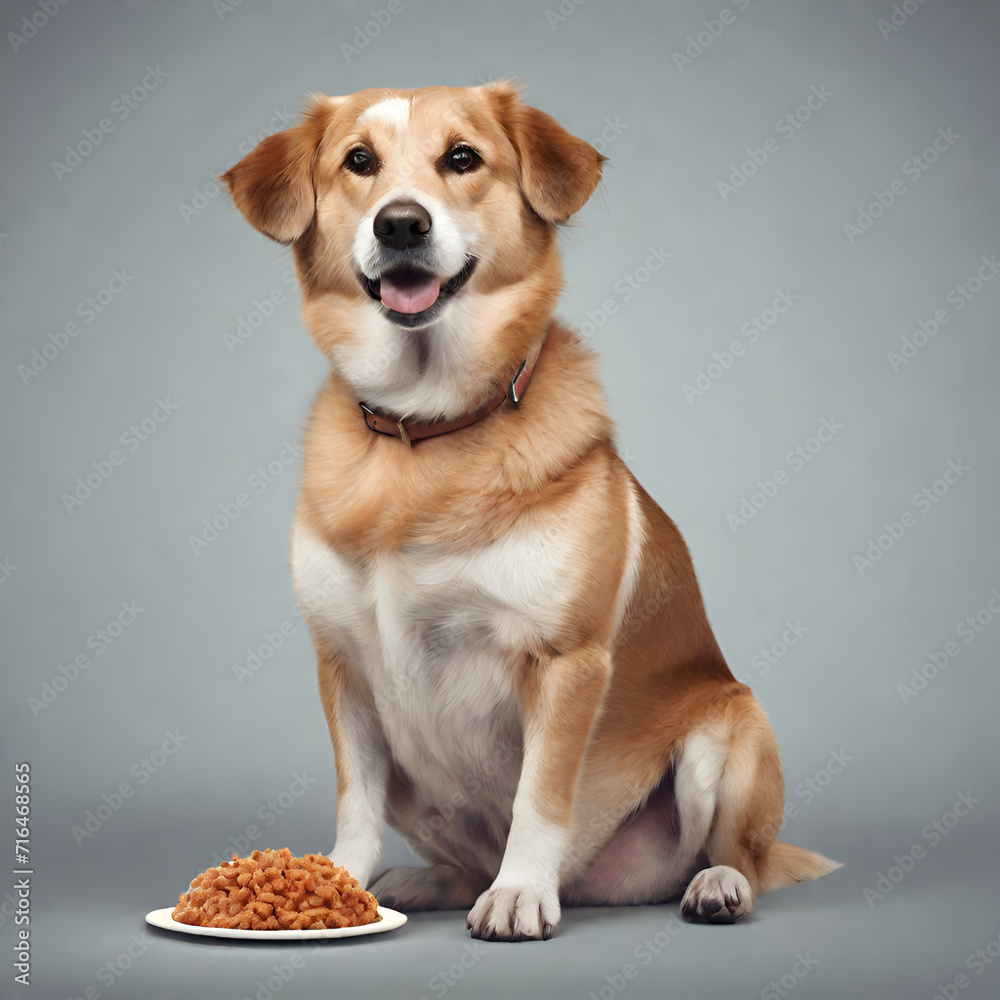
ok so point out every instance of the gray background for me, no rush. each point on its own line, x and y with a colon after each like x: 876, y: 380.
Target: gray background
x: 195, y: 269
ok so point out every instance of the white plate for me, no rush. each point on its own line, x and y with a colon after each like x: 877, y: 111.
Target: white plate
x: 391, y: 919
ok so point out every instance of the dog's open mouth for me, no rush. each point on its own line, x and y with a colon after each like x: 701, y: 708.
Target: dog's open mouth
x: 410, y: 292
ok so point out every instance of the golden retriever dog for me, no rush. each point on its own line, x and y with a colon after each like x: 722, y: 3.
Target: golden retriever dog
x: 513, y: 654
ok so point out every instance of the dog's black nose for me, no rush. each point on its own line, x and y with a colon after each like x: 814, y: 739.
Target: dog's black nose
x: 402, y: 224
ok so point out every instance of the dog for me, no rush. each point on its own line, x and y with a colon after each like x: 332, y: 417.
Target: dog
x: 513, y: 654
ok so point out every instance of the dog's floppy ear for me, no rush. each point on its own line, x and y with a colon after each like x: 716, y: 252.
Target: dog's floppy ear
x: 273, y: 185
x: 559, y: 172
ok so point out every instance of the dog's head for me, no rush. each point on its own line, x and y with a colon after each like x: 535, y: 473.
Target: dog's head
x: 423, y: 226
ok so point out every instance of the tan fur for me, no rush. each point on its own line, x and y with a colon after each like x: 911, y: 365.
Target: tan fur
x: 621, y: 692
x: 787, y: 864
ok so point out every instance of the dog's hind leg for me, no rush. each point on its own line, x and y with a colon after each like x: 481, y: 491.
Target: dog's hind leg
x: 730, y: 798
x: 437, y: 887
x: 730, y: 791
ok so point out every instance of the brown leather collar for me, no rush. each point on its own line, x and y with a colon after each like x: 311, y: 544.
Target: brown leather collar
x: 415, y: 430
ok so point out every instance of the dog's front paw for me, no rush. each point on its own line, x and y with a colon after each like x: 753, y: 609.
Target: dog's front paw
x: 719, y: 895
x: 512, y: 913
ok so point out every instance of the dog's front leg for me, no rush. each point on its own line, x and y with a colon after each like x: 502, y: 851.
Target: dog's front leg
x: 362, y: 760
x: 560, y: 701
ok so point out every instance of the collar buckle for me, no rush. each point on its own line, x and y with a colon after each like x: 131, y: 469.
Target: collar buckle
x: 515, y: 391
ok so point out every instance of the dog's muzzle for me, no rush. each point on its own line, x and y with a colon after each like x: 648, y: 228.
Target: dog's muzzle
x: 411, y: 295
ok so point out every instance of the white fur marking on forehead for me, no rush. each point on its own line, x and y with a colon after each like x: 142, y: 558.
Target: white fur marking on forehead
x: 393, y: 111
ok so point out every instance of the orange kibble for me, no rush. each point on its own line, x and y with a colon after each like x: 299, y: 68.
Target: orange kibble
x: 272, y: 890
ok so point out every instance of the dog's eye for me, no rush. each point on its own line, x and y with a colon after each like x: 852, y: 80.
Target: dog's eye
x: 461, y: 160
x: 360, y: 161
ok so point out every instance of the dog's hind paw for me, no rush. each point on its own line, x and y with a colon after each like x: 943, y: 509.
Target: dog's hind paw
x: 719, y: 895
x: 440, y: 887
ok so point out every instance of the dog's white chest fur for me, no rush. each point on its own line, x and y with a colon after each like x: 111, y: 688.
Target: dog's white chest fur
x: 434, y: 635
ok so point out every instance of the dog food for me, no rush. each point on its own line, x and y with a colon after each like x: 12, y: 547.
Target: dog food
x: 273, y: 891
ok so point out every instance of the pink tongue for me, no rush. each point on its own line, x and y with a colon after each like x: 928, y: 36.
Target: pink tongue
x: 414, y: 294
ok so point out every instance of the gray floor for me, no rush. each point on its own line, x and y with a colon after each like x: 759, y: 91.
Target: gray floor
x: 850, y: 572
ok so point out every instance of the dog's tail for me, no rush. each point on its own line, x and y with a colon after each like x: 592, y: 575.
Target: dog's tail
x: 787, y: 864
